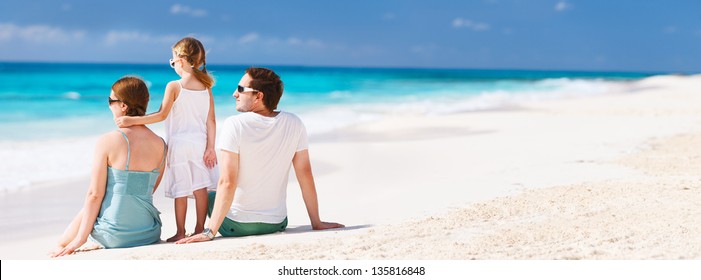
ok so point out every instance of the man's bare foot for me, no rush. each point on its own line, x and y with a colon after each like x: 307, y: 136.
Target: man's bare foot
x: 176, y: 237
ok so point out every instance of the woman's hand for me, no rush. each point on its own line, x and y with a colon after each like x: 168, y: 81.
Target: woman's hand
x: 210, y: 158
x: 123, y: 121
x: 68, y: 249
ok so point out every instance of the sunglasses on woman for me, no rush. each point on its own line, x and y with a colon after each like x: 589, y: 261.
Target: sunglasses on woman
x: 110, y: 100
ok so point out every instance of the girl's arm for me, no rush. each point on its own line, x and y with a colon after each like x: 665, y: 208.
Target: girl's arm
x: 93, y: 199
x: 210, y: 157
x: 171, y: 93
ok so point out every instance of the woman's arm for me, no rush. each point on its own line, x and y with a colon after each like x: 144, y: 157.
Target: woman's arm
x: 210, y: 156
x: 171, y: 93
x: 93, y: 199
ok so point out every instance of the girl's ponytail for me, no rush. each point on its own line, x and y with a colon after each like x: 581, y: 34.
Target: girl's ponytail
x: 203, y: 76
x: 193, y: 50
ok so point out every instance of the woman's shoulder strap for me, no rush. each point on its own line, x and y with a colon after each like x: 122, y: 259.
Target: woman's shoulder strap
x: 128, y: 148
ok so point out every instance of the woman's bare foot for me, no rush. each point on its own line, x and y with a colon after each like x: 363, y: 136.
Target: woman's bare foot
x: 176, y: 237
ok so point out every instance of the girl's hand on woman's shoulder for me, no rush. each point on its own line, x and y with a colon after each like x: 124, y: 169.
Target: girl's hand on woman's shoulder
x: 123, y: 121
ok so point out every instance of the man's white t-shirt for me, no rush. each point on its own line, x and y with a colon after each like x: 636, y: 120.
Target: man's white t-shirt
x: 266, y: 146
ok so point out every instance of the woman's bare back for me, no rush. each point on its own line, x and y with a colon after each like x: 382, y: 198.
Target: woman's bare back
x: 147, y: 149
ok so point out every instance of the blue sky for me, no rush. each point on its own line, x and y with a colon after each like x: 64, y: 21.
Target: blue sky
x: 618, y: 35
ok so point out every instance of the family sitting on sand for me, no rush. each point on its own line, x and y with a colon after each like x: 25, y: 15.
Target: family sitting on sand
x: 257, y: 149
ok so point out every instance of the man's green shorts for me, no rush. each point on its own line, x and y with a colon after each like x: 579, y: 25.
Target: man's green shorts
x: 230, y: 228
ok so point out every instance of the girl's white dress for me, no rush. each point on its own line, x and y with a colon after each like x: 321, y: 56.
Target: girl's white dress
x: 186, y: 134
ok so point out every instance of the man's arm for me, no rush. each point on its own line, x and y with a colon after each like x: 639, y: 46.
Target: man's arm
x: 229, y: 169
x: 303, y: 170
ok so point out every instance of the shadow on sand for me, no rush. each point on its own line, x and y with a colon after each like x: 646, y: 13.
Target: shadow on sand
x: 308, y: 228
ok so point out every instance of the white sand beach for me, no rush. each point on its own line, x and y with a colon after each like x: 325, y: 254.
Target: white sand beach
x: 612, y: 176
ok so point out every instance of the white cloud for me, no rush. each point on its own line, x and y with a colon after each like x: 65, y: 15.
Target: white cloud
x: 130, y: 37
x: 7, y: 31
x: 426, y: 50
x: 205, y: 39
x: 670, y: 29
x: 294, y: 41
x: 314, y: 43
x: 466, y: 23
x: 39, y: 33
x: 249, y: 38
x: 389, y: 16
x: 562, y: 6
x: 256, y: 39
x: 258, y: 42
x: 182, y: 9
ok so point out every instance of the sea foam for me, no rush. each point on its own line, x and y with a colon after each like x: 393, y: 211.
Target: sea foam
x: 54, y: 149
x: 28, y: 163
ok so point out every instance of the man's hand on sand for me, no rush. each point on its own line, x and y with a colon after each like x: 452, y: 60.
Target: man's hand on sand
x: 192, y: 239
x: 327, y: 225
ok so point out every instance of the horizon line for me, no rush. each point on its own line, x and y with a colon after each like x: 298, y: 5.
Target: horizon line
x: 657, y: 72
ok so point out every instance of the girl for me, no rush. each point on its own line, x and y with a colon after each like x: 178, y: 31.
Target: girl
x: 188, y: 111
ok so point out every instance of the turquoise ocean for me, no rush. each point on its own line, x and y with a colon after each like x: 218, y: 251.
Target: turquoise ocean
x: 61, y: 104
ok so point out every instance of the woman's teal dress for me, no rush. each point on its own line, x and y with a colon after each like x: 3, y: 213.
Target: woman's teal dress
x: 127, y: 216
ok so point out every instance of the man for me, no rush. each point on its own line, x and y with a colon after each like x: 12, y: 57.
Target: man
x: 257, y: 149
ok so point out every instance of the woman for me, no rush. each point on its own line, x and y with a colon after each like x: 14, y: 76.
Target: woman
x: 128, y: 165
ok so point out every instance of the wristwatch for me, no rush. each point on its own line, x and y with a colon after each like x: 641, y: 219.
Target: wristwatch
x: 208, y: 232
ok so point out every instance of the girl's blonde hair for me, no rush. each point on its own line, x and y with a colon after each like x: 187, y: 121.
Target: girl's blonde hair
x: 193, y: 51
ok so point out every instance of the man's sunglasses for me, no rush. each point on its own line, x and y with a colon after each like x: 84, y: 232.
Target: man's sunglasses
x: 242, y: 89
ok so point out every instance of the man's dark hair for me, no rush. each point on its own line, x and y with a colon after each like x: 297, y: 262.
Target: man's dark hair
x: 269, y: 83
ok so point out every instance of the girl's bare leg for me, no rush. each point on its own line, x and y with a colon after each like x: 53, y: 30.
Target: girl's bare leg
x: 180, y: 213
x: 201, y: 207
